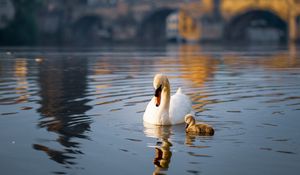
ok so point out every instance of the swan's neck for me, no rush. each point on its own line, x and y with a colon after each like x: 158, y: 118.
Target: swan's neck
x: 165, y: 97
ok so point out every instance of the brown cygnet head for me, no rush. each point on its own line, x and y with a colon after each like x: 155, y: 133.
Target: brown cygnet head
x: 189, y: 120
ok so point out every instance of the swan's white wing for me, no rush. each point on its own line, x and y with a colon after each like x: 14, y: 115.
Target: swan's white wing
x: 180, y: 105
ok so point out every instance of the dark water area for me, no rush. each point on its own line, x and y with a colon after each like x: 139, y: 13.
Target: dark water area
x: 79, y: 111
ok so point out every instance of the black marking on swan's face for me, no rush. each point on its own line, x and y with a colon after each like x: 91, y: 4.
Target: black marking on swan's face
x: 158, y: 91
x: 186, y: 126
x: 157, y: 95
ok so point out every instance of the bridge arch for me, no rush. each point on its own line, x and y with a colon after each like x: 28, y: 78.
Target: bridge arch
x: 88, y: 30
x: 153, y: 26
x: 256, y: 25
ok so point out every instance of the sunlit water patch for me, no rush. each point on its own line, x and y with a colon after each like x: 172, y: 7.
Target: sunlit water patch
x: 79, y: 111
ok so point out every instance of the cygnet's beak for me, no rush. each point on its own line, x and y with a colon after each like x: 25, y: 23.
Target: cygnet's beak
x: 186, y: 126
x: 157, y: 95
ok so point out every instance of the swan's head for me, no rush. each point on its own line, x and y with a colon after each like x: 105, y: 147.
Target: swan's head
x: 189, y: 120
x: 159, y: 82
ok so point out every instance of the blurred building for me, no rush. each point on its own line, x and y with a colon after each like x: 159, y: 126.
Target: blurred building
x: 181, y: 27
x: 102, y: 21
x: 7, y: 12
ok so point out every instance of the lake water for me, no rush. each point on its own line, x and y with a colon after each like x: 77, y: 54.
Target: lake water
x: 79, y: 111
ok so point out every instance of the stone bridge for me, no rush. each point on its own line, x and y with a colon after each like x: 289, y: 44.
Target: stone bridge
x: 145, y: 20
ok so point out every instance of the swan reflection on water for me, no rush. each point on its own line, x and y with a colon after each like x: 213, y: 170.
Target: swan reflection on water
x: 163, y: 154
x: 163, y: 146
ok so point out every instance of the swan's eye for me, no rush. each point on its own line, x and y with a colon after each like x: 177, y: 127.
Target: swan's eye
x: 157, y: 92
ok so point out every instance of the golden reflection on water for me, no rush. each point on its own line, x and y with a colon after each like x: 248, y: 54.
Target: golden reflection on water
x: 21, y: 72
x: 103, y: 67
x: 190, y: 64
x: 197, y: 68
x: 276, y: 61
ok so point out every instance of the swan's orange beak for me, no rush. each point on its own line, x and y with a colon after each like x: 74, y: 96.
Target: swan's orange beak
x: 157, y: 101
x: 157, y: 96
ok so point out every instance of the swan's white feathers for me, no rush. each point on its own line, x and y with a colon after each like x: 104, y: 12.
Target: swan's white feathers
x: 179, y: 106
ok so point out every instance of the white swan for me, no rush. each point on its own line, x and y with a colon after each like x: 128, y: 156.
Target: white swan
x: 166, y: 110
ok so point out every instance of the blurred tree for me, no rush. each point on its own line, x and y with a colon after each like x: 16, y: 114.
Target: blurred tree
x: 23, y: 29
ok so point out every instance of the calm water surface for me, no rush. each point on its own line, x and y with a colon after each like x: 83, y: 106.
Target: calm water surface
x: 79, y: 111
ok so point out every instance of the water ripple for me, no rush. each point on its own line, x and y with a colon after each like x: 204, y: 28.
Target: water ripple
x: 79, y: 103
